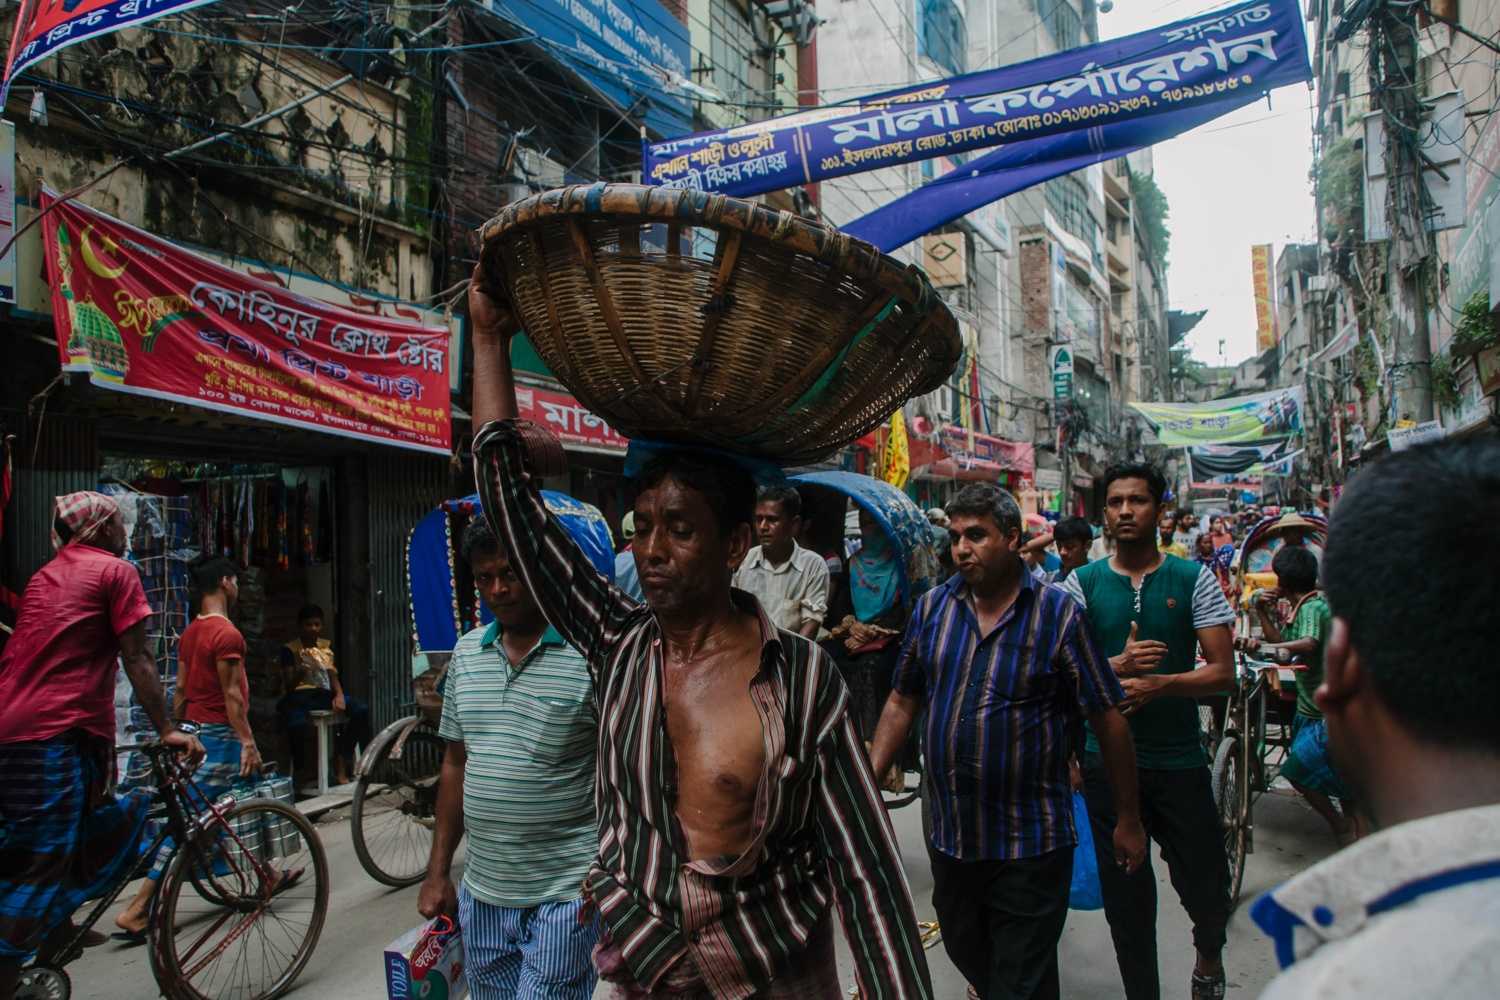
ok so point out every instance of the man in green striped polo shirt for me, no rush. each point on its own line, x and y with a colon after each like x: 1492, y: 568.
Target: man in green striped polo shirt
x: 518, y: 777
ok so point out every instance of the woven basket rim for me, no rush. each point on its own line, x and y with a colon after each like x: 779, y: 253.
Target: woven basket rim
x: 697, y: 208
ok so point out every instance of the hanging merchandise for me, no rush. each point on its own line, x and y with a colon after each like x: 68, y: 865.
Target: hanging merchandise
x: 304, y: 504
x: 325, y: 522
x: 283, y: 554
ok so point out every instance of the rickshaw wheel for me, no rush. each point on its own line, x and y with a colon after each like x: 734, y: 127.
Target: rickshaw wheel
x: 1227, y: 775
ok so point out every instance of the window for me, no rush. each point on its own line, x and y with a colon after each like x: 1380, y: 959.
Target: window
x: 1069, y: 201
x: 1062, y: 21
x: 941, y: 35
x: 741, y: 69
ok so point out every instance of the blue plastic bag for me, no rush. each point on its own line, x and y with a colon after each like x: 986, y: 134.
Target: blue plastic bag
x: 1085, y: 892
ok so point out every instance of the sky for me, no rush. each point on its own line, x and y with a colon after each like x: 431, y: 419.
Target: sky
x: 1230, y: 184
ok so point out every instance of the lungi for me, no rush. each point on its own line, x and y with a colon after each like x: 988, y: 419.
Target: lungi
x: 812, y: 976
x: 1307, y: 763
x: 216, y: 775
x: 63, y: 838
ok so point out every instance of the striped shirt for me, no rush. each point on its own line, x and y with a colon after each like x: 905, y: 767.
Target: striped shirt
x: 528, y: 730
x: 821, y: 835
x: 1003, y: 711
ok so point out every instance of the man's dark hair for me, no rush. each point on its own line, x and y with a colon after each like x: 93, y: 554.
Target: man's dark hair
x: 727, y: 488
x: 1409, y: 565
x: 789, y: 498
x: 1155, y: 481
x: 1296, y: 569
x: 1072, y: 529
x: 986, y: 500
x: 308, y: 612
x: 479, y: 540
x: 207, y: 571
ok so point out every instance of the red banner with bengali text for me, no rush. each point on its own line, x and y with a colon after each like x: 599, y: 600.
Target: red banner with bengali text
x: 146, y: 316
x: 564, y: 416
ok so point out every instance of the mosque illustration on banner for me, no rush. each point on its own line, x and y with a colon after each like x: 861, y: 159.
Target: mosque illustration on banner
x: 93, y: 333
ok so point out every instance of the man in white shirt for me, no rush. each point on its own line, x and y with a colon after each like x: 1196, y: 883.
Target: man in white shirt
x: 1410, y: 695
x: 790, y: 582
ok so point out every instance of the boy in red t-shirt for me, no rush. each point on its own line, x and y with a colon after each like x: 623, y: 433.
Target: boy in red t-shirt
x: 214, y: 693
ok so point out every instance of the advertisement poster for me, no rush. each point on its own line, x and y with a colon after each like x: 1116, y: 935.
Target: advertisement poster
x: 146, y: 316
x: 564, y: 416
x: 1217, y: 460
x: 632, y: 52
x: 1222, y: 59
x: 1265, y: 306
x: 45, y: 26
x: 1260, y: 419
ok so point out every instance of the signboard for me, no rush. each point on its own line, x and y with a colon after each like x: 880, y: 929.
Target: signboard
x: 968, y: 448
x: 145, y: 316
x: 8, y: 211
x: 1402, y: 438
x: 1062, y: 372
x: 1215, y: 460
x: 1239, y: 419
x: 1265, y: 308
x: 1441, y: 144
x: 1240, y: 51
x: 895, y: 461
x: 1048, y: 479
x: 575, y: 427
x: 632, y: 52
x: 45, y: 26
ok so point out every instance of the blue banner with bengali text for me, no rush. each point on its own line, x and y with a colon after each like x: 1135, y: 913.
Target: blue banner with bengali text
x: 1168, y: 78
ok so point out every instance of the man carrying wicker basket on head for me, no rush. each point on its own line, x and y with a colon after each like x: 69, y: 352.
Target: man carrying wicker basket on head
x: 735, y: 800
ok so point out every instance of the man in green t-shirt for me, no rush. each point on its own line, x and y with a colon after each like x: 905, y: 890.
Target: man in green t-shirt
x: 1307, y: 767
x: 1150, y: 611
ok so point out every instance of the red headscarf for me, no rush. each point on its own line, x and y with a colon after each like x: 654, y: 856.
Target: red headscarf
x: 85, y: 513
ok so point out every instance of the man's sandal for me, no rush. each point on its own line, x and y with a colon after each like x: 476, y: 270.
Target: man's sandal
x: 1208, y: 987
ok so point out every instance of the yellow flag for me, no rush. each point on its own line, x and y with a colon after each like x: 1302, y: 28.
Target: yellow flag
x: 895, y: 465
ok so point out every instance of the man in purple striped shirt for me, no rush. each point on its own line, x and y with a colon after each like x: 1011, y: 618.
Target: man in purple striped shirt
x: 736, y: 807
x: 1007, y: 670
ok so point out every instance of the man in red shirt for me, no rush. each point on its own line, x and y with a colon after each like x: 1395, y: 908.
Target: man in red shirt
x: 213, y: 693
x: 62, y: 838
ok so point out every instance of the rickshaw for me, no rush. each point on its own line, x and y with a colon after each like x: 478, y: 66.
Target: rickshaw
x: 910, y: 533
x: 1250, y: 738
x: 396, y: 779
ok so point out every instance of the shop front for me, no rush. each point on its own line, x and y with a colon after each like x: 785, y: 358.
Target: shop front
x: 298, y: 432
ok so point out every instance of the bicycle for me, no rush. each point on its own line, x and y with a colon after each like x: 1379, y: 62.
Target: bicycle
x: 394, y: 813
x: 1246, y: 760
x: 240, y: 928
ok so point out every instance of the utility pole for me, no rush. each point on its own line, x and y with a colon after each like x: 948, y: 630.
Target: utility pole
x: 1393, y: 37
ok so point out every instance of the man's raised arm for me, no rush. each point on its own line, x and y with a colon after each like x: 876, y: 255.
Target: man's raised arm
x: 508, y: 463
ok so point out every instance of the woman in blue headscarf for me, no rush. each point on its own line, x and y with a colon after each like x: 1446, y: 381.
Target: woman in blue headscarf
x: 865, y: 643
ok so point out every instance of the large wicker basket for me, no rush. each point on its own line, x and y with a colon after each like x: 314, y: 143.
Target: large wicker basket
x: 703, y: 319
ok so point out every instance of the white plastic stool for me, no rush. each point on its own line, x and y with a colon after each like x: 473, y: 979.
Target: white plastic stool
x: 325, y: 721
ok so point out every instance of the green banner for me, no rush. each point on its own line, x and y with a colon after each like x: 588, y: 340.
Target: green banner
x: 1238, y: 420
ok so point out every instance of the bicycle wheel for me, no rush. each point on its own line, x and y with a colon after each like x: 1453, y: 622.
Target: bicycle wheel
x: 395, y: 802
x: 265, y: 865
x: 1226, y: 778
x: 43, y: 982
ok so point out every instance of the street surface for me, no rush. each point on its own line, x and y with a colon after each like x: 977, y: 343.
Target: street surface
x: 364, y: 916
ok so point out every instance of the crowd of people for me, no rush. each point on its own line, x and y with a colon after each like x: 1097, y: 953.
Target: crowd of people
x: 675, y: 795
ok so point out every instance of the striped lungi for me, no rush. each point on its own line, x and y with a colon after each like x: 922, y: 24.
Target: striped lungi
x: 63, y: 838
x: 216, y: 775
x: 812, y: 976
